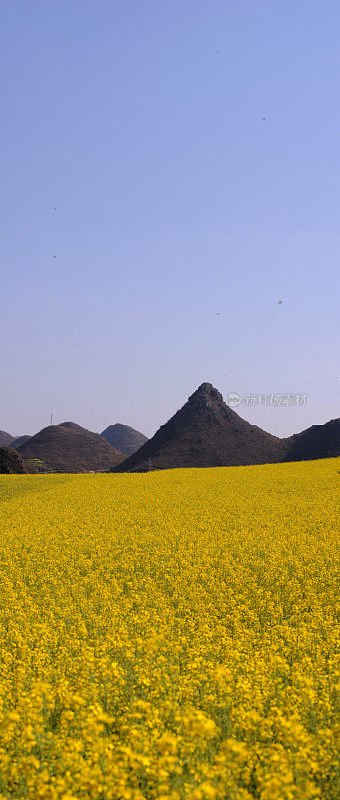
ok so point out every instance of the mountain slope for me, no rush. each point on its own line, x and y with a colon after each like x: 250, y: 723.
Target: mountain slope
x: 10, y: 462
x: 18, y: 441
x: 319, y: 441
x: 124, y: 438
x: 6, y: 438
x: 70, y: 448
x: 205, y: 432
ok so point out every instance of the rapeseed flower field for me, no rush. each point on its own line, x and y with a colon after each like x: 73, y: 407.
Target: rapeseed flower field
x: 170, y: 635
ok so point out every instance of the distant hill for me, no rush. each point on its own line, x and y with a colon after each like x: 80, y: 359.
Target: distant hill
x: 6, y: 438
x: 319, y: 441
x: 124, y: 438
x: 205, y: 432
x: 18, y: 441
x: 10, y: 462
x: 70, y: 448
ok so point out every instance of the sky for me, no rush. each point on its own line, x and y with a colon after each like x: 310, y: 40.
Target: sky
x: 169, y: 210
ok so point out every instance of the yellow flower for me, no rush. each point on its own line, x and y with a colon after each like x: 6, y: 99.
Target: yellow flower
x: 171, y: 635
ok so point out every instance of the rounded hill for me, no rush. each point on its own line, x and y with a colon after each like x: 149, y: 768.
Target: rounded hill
x: 70, y: 448
x: 124, y: 438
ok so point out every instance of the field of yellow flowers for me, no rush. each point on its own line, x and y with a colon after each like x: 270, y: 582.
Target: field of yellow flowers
x: 170, y: 635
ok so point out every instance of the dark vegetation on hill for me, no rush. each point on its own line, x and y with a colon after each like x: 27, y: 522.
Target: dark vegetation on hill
x: 10, y: 462
x: 5, y: 439
x: 70, y: 448
x: 18, y: 441
x: 205, y: 432
x: 124, y: 438
x: 319, y: 441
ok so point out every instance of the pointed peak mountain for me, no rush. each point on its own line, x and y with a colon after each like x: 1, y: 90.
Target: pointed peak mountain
x: 207, y: 397
x: 205, y: 432
x: 206, y: 391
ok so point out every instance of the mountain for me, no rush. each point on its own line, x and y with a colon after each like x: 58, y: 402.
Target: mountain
x: 5, y: 438
x: 18, y: 441
x: 10, y: 462
x: 205, y: 432
x: 319, y: 441
x: 70, y: 448
x: 124, y: 438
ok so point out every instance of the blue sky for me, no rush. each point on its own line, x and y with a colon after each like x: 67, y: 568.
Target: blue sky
x: 170, y: 172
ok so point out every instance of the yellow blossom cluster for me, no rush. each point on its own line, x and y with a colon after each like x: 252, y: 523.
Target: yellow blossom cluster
x: 170, y: 635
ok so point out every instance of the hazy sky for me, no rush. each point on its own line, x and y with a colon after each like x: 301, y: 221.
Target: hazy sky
x: 170, y: 172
